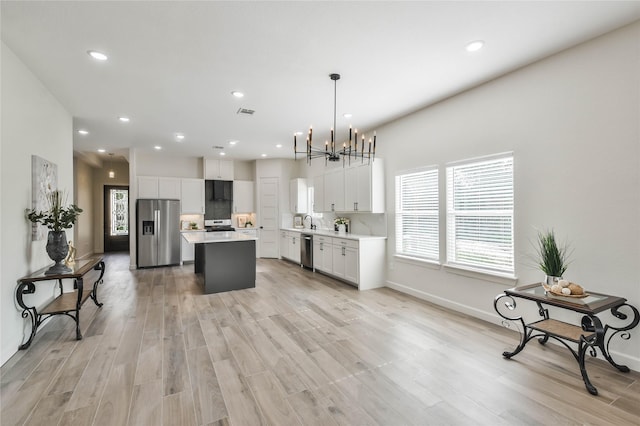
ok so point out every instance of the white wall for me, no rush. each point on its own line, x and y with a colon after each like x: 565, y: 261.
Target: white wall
x: 572, y: 122
x: 33, y: 123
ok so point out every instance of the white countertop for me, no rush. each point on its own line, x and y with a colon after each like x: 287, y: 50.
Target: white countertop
x: 336, y: 234
x: 215, y: 237
x: 192, y: 230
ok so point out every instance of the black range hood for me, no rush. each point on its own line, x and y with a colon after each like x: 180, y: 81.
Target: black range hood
x: 222, y: 190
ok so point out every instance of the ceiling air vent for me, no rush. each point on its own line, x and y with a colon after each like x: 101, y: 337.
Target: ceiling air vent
x: 245, y: 111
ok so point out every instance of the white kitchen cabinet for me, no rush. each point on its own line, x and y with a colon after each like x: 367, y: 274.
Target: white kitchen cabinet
x: 147, y: 187
x: 294, y: 247
x: 169, y: 188
x: 159, y: 187
x: 192, y: 191
x: 298, y: 196
x: 345, y: 259
x: 284, y: 244
x: 243, y: 196
x: 322, y: 254
x: 290, y: 245
x: 318, y: 194
x: 364, y: 188
x: 218, y: 169
x: 334, y: 190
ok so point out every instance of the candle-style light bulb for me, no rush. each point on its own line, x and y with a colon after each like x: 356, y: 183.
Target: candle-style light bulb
x: 374, y: 143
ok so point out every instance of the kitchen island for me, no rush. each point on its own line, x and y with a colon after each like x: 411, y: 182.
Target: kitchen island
x: 226, y: 260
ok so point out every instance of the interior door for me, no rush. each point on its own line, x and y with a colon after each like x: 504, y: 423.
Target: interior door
x: 116, y: 218
x: 268, y: 219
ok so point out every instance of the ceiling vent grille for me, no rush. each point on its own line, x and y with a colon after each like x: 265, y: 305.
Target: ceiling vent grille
x: 245, y: 111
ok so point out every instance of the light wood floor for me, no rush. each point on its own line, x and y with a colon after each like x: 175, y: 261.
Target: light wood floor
x: 300, y: 348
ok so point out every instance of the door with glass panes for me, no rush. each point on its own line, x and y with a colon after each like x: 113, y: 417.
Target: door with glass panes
x: 116, y: 218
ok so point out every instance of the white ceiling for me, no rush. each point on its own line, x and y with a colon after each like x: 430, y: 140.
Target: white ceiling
x: 172, y: 65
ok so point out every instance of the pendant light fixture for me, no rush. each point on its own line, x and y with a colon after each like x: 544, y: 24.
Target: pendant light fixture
x: 112, y: 173
x: 329, y: 152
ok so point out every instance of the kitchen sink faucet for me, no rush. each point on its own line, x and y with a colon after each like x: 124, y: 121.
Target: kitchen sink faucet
x: 311, y: 225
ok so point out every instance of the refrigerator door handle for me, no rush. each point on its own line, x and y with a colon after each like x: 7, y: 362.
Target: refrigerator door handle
x: 156, y: 223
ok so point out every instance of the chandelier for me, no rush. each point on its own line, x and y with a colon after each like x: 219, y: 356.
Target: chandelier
x: 329, y: 152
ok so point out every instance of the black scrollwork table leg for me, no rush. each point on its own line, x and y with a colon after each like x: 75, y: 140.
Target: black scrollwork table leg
x: 27, y: 287
x: 94, y: 292
x: 510, y: 303
x: 593, y: 323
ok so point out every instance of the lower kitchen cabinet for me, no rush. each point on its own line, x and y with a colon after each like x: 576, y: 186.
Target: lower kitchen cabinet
x: 357, y: 262
x: 345, y: 259
x: 290, y: 245
x: 323, y: 254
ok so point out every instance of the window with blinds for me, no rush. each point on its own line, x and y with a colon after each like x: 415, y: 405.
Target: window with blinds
x: 480, y: 214
x: 417, y: 214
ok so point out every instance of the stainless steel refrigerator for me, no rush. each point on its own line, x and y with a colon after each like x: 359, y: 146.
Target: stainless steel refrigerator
x: 158, y: 229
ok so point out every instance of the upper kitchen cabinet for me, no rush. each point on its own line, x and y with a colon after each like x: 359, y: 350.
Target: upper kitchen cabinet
x: 158, y: 187
x: 169, y: 188
x: 334, y: 190
x: 298, y: 195
x: 318, y: 194
x: 243, y: 196
x: 364, y: 188
x: 192, y: 196
x: 218, y: 169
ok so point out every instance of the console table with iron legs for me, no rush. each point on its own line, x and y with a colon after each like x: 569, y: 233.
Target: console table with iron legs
x: 65, y: 303
x: 590, y: 335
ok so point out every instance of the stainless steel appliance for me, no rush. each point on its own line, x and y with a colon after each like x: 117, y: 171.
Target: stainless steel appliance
x: 306, y: 251
x: 158, y: 230
x: 218, y: 225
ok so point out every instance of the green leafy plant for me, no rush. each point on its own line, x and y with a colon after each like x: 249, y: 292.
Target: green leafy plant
x: 552, y: 259
x: 57, y: 217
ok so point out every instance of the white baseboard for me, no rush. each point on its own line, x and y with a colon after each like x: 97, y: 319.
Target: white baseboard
x: 619, y: 357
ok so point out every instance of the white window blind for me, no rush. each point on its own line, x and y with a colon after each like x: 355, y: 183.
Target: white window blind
x: 417, y: 214
x: 480, y: 214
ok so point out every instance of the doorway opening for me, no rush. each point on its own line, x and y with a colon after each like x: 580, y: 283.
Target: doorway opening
x: 116, y: 218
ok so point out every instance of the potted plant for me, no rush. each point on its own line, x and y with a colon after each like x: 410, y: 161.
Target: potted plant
x: 57, y: 218
x: 552, y: 259
x: 340, y: 224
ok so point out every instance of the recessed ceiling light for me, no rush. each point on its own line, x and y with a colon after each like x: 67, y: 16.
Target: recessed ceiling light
x: 97, y: 55
x: 102, y: 150
x: 237, y: 94
x: 157, y: 147
x: 83, y: 132
x: 263, y: 155
x: 222, y: 153
x: 233, y: 142
x: 347, y: 115
x: 279, y: 145
x: 474, y: 46
x: 179, y: 136
x: 124, y: 119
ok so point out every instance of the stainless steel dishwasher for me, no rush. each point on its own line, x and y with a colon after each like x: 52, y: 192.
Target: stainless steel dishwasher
x: 306, y: 251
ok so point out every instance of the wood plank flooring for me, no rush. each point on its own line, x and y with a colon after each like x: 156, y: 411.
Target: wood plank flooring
x: 300, y: 348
